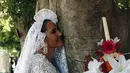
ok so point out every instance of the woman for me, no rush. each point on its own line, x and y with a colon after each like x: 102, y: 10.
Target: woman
x: 43, y: 50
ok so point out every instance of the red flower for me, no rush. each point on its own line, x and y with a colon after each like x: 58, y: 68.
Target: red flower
x: 108, y: 47
x: 99, y: 53
x: 104, y: 68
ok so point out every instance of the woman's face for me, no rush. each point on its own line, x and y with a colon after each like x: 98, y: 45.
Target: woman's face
x: 53, y: 35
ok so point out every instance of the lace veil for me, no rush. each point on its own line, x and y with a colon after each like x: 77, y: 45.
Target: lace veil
x: 35, y: 40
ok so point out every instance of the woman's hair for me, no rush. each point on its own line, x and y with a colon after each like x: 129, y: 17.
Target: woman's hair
x: 43, y: 29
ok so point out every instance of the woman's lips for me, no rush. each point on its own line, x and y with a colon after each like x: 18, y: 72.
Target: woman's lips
x: 60, y: 40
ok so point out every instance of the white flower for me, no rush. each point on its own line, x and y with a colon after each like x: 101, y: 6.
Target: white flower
x: 116, y: 40
x: 100, y: 43
x: 122, y: 66
x: 93, y: 67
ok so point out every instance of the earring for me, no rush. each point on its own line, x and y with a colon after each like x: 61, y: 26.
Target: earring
x: 45, y: 49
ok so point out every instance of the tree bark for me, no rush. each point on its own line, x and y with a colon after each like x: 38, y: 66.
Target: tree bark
x: 42, y: 4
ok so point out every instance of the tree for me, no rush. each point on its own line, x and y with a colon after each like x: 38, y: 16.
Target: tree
x: 81, y: 21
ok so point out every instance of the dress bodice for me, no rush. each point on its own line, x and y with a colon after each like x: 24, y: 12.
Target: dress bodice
x: 40, y: 64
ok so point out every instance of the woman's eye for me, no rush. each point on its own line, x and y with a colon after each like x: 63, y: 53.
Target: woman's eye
x: 53, y: 32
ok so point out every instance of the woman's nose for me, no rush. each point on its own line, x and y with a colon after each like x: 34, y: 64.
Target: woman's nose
x: 59, y: 33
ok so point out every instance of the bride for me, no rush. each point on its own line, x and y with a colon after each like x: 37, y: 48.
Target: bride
x: 43, y: 50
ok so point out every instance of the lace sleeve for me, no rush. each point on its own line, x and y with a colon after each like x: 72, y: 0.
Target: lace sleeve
x: 40, y: 64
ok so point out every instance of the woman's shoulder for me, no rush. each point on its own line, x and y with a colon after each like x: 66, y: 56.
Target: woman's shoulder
x: 40, y: 64
x: 38, y: 61
x: 39, y: 55
x: 38, y: 58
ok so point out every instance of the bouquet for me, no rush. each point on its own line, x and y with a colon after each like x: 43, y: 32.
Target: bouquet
x: 112, y: 61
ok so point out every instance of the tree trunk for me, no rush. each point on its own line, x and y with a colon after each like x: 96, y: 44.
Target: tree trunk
x: 22, y: 29
x: 81, y: 21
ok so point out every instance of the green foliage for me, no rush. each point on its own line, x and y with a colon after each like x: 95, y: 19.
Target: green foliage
x: 12, y: 13
x: 123, y: 4
x: 23, y: 9
x: 8, y: 38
